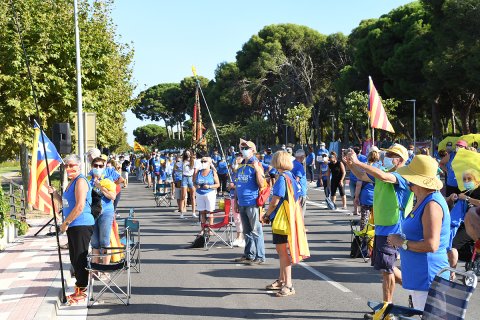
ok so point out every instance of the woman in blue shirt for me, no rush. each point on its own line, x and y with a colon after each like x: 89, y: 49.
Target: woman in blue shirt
x: 206, y: 182
x: 281, y: 160
x: 426, y: 230
x: 77, y: 222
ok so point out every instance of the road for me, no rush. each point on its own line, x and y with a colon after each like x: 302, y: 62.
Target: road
x: 179, y: 283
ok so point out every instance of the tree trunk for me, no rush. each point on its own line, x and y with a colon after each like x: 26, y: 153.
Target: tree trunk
x: 454, y: 128
x: 436, y: 123
x: 24, y: 168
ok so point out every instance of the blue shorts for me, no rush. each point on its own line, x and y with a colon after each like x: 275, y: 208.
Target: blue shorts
x: 187, y: 182
x: 101, y: 230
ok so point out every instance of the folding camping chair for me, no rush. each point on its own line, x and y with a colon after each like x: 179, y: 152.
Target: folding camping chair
x: 446, y: 300
x: 114, y: 270
x: 362, y: 240
x: 163, y: 194
x: 133, y: 226
x: 220, y: 231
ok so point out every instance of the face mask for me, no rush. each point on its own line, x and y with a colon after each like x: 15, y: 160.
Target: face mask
x: 325, y: 159
x: 469, y: 185
x: 97, y: 172
x: 410, y: 152
x: 109, y: 165
x: 246, y: 153
x: 388, y: 163
x: 205, y: 166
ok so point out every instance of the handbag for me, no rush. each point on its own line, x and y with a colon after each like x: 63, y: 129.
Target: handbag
x: 280, y: 224
x: 263, y: 195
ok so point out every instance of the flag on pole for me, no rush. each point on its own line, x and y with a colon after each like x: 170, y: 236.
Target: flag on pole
x: 138, y: 147
x: 376, y: 112
x: 38, y: 195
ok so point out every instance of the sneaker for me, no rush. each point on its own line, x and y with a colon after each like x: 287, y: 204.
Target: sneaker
x: 194, y: 215
x: 241, y: 243
x: 235, y: 243
x: 242, y: 260
x: 182, y: 216
x: 256, y: 262
x: 79, y: 295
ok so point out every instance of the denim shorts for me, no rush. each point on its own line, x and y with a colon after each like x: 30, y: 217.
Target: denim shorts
x: 101, y: 230
x: 187, y: 181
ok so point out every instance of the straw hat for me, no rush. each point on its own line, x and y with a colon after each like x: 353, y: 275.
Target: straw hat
x: 250, y: 144
x: 399, y: 150
x: 422, y: 171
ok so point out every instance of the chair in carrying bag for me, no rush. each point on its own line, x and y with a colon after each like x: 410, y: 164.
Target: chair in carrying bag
x: 362, y: 240
x: 446, y: 300
x: 114, y: 270
x: 221, y: 231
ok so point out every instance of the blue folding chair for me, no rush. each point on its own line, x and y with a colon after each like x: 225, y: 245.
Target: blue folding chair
x: 163, y: 194
x: 133, y: 226
x: 446, y: 300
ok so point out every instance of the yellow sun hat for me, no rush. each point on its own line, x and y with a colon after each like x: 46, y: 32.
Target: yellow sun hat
x: 422, y: 171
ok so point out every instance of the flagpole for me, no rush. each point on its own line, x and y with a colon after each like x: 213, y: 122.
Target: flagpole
x: 27, y: 63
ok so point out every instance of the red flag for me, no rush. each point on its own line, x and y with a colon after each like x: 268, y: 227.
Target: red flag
x: 376, y: 112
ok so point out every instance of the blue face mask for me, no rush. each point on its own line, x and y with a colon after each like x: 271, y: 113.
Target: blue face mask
x: 469, y: 185
x: 97, y: 172
x: 388, y: 163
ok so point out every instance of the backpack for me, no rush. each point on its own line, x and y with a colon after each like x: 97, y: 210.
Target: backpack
x: 199, y: 242
x: 96, y: 204
x: 355, y: 250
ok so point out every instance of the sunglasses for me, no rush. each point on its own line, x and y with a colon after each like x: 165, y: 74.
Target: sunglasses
x: 71, y: 165
x: 245, y: 148
x: 97, y: 165
x: 203, y: 161
x: 392, y: 155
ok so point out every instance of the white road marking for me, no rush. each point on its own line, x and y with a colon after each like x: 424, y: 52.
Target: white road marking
x: 315, y: 204
x: 326, y: 278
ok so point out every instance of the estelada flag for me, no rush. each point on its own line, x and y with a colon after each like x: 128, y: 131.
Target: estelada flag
x: 138, y: 147
x: 38, y: 195
x: 376, y: 112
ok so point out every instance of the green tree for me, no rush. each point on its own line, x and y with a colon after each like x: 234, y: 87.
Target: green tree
x: 150, y: 135
x: 298, y: 118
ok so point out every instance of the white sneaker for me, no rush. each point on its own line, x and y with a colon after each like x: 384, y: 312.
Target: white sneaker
x: 235, y: 243
x: 194, y: 215
x: 182, y: 216
x: 241, y: 243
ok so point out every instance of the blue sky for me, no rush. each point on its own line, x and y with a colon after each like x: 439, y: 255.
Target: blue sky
x: 170, y: 36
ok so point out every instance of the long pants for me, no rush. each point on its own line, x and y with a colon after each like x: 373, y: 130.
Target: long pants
x: 78, y: 241
x: 253, y: 233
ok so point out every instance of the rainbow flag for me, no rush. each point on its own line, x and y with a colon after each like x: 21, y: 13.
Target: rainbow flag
x: 38, y: 195
x: 376, y: 112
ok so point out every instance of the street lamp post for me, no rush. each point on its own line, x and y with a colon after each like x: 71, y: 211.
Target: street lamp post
x: 414, y: 124
x: 333, y: 127
x: 286, y: 135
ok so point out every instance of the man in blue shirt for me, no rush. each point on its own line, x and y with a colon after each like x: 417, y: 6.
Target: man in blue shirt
x: 320, y: 155
x: 249, y: 179
x: 411, y: 154
x: 268, y: 156
x: 310, y: 162
x: 298, y: 172
x: 216, y: 157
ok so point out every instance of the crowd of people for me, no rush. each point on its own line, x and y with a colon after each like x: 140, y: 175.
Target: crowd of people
x: 416, y: 215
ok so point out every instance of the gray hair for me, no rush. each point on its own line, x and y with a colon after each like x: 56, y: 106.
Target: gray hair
x: 72, y: 158
x: 300, y: 153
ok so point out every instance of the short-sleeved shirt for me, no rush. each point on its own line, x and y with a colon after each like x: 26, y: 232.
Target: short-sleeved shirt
x: 320, y: 153
x: 366, y: 194
x: 216, y: 159
x: 310, y: 160
x: 298, y: 171
x: 178, y: 171
x: 280, y: 188
x: 352, y: 177
x: 267, y: 158
x: 247, y: 187
x: 109, y: 173
x: 187, y: 170
x: 402, y: 192
x: 222, y: 167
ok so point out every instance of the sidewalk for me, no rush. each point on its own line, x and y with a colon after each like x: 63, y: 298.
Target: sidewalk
x: 30, y: 275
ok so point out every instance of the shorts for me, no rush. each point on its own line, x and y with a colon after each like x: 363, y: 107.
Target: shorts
x: 334, y: 185
x: 279, y: 238
x: 206, y: 202
x: 383, y: 255
x: 125, y: 175
x: 178, y: 193
x: 169, y: 178
x: 187, y: 182
x: 101, y: 230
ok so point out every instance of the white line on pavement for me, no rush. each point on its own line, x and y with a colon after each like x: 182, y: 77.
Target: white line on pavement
x: 316, y: 204
x: 326, y: 278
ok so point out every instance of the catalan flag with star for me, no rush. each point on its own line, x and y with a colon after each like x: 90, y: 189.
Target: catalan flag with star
x: 376, y: 112
x: 38, y: 195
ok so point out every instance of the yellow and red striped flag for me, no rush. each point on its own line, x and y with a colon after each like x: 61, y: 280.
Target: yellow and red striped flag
x: 138, y: 147
x: 38, y: 195
x: 376, y: 112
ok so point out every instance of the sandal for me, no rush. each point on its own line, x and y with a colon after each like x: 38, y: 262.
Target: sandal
x: 276, y: 285
x: 286, y: 291
x: 79, y: 295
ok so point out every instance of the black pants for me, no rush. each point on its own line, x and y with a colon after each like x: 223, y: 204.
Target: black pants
x: 78, y: 241
x: 223, y: 182
x: 310, y: 171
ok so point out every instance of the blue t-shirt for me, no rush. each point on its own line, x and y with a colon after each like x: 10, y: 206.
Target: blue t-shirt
x: 403, y: 194
x: 451, y: 179
x: 267, y: 158
x: 310, y: 160
x: 320, y: 152
x: 216, y: 159
x: 207, y: 180
x: 366, y: 194
x: 107, y: 204
x: 324, y: 167
x: 247, y: 187
x: 109, y: 173
x: 298, y: 171
x: 222, y: 167
x: 178, y: 171
x: 156, y: 166
x: 69, y: 202
x: 419, y: 268
x: 280, y: 188
x: 352, y: 177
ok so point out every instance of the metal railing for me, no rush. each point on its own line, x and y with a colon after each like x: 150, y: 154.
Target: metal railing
x: 18, y: 203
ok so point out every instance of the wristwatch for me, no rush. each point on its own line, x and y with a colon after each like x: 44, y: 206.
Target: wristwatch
x: 467, y: 198
x: 405, y: 244
x: 67, y: 223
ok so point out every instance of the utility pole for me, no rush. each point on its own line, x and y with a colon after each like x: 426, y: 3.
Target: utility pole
x: 414, y: 124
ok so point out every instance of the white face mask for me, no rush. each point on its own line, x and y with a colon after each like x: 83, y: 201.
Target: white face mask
x: 205, y: 165
x: 388, y: 163
x: 325, y: 159
x: 246, y: 153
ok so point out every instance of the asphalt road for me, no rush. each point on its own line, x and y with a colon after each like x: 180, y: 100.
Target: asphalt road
x: 179, y: 283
